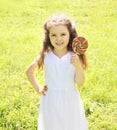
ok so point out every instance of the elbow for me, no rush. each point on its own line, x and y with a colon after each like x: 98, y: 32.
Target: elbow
x: 28, y: 72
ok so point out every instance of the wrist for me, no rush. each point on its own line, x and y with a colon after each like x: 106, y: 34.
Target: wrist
x: 37, y: 88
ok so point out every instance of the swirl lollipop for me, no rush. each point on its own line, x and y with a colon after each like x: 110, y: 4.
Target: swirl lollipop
x: 79, y: 45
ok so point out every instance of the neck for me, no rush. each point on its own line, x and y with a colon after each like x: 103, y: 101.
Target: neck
x: 60, y: 53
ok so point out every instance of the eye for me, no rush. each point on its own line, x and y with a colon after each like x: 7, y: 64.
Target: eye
x: 53, y: 35
x: 63, y: 34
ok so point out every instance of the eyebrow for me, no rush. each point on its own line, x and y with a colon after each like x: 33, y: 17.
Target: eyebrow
x: 52, y: 33
x: 61, y: 33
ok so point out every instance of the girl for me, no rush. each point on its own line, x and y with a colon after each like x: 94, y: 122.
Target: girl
x: 60, y: 103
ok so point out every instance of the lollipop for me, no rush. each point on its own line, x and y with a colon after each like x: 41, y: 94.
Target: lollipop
x: 79, y: 45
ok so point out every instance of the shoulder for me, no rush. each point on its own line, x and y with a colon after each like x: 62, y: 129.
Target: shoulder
x: 47, y: 56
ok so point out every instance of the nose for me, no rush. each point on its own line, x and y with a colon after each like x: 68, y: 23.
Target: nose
x: 58, y: 38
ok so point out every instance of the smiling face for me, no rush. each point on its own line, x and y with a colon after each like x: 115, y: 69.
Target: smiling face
x: 59, y: 37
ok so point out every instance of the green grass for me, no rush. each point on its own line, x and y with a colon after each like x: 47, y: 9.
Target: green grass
x: 21, y: 34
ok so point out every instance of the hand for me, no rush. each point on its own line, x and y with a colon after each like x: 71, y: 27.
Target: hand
x: 75, y: 61
x: 42, y: 90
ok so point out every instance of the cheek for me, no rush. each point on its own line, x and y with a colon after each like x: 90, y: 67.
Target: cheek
x: 67, y: 38
x: 52, y: 40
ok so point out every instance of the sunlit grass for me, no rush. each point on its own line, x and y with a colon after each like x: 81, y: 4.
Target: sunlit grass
x: 21, y: 35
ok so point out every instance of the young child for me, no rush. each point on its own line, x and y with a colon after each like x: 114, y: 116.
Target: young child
x: 60, y: 103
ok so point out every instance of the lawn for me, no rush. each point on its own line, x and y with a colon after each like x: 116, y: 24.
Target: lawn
x: 21, y: 36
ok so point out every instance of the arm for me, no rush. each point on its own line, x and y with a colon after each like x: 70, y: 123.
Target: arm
x: 32, y: 68
x: 30, y: 72
x: 79, y: 76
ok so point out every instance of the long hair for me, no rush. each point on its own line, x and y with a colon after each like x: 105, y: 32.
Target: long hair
x: 47, y: 46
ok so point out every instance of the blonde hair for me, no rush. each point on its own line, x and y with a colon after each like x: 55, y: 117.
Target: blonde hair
x: 58, y: 19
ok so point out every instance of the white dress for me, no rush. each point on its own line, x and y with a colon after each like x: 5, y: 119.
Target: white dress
x: 61, y: 108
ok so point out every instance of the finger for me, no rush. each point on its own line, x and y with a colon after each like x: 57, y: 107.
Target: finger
x: 74, y: 55
x: 74, y: 58
x: 42, y: 93
x: 72, y: 61
x: 45, y: 88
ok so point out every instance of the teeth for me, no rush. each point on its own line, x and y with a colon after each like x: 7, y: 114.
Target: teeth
x: 59, y: 43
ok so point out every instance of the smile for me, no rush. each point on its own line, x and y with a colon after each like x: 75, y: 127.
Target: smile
x: 59, y: 44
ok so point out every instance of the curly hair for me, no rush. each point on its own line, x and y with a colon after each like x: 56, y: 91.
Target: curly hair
x: 60, y: 19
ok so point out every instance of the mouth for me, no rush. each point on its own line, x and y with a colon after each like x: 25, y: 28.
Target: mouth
x: 59, y: 44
